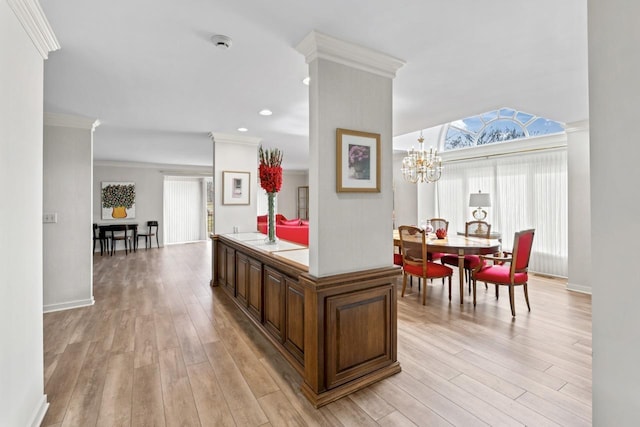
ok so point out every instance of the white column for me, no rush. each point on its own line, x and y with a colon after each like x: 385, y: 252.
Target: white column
x: 614, y: 96
x: 579, y: 204
x: 350, y: 88
x: 68, y: 193
x: 235, y: 153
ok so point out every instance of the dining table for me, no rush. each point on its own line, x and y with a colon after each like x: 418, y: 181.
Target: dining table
x: 459, y: 245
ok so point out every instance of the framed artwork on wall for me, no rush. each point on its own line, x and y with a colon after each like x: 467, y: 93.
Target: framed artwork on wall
x: 235, y: 187
x: 118, y: 200
x: 357, y: 161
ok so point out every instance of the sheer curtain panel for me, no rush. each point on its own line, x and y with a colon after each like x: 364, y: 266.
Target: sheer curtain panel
x: 527, y: 191
x: 184, y: 209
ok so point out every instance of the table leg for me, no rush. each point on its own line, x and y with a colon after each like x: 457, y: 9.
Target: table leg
x: 461, y: 274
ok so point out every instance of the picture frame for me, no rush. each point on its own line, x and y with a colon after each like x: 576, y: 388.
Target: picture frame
x: 118, y: 200
x: 357, y: 161
x: 236, y: 188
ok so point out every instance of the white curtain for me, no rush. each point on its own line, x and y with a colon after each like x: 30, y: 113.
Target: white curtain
x: 527, y: 191
x: 184, y: 209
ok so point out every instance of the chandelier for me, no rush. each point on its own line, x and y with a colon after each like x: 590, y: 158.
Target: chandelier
x: 421, y: 165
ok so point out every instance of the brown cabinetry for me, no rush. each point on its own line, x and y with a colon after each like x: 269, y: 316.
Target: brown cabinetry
x: 338, y: 332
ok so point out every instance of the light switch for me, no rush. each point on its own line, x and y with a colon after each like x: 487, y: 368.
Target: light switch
x: 50, y: 217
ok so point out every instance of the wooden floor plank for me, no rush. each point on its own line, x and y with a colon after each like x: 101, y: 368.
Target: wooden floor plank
x: 243, y: 404
x: 148, y: 407
x: 115, y: 408
x: 137, y: 356
x: 280, y: 411
x: 209, y: 397
x: 179, y: 404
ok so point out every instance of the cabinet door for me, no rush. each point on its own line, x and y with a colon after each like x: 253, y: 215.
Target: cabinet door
x: 221, y: 256
x: 294, y: 320
x: 274, y: 293
x: 255, y: 289
x: 231, y: 271
x: 242, y: 277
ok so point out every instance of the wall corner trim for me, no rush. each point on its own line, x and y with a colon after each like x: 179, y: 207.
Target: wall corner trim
x: 68, y: 305
x: 36, y: 25
x: 579, y: 288
x: 39, y: 412
x: 70, y: 121
x: 318, y: 45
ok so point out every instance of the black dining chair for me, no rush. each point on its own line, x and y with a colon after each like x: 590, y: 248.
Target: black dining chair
x: 152, y: 230
x: 98, y: 235
x: 120, y: 232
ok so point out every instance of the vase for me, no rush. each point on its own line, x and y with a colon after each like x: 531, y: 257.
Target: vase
x: 119, y: 212
x: 361, y: 169
x: 271, y: 219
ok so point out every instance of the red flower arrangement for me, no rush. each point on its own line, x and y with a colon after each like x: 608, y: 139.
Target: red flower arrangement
x: 270, y: 169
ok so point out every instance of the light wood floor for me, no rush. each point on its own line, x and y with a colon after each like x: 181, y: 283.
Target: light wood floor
x: 160, y: 347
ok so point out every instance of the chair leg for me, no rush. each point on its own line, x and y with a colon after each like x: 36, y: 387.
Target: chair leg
x: 474, y: 292
x: 424, y: 293
x: 526, y: 295
x: 512, y: 301
x: 449, y: 287
x: 497, y: 293
x: 404, y: 282
x: 157, y: 242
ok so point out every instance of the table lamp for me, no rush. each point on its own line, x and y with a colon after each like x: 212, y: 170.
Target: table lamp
x: 479, y: 200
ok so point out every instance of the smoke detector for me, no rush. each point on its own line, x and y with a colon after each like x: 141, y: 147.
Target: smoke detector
x: 221, y: 41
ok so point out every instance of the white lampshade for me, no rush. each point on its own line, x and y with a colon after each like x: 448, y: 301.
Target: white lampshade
x: 479, y: 200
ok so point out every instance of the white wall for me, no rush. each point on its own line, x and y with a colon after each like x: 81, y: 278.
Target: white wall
x: 405, y: 195
x: 240, y: 155
x: 149, y: 181
x: 579, y: 206
x: 288, y: 195
x: 614, y: 92
x: 68, y: 266
x: 343, y: 224
x: 22, y: 399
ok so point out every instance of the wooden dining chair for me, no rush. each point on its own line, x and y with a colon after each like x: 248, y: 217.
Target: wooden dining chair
x: 508, y: 271
x: 121, y: 232
x: 152, y: 230
x: 413, y: 247
x: 471, y: 229
x: 437, y: 224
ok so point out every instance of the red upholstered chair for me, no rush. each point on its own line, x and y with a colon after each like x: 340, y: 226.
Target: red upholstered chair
x: 473, y: 229
x: 508, y: 271
x: 413, y: 247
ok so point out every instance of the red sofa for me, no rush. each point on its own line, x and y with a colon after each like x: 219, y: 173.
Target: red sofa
x: 295, y: 230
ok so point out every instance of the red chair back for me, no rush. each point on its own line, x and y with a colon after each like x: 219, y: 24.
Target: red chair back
x: 522, y: 242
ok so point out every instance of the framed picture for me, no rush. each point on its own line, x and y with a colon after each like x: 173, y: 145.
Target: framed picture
x: 235, y: 188
x: 118, y: 200
x: 357, y: 161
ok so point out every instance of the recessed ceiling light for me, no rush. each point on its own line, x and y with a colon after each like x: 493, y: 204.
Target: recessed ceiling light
x: 306, y: 80
x: 242, y: 129
x: 265, y: 112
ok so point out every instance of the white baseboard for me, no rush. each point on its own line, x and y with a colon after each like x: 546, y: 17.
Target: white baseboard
x: 68, y: 305
x: 39, y: 413
x: 579, y: 288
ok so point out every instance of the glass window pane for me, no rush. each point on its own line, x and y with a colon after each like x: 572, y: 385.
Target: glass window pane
x: 500, y: 130
x: 542, y: 126
x: 524, y: 117
x: 507, y: 112
x: 473, y: 124
x: 491, y: 115
x: 457, y: 139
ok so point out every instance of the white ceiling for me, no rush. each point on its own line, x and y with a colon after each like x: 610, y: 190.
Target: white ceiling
x: 148, y: 70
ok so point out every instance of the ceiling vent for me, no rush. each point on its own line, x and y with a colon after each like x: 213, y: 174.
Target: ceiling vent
x: 221, y: 41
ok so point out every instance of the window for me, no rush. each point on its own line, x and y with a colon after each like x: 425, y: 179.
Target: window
x: 505, y: 124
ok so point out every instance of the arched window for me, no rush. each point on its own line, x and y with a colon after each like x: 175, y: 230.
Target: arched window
x: 505, y: 124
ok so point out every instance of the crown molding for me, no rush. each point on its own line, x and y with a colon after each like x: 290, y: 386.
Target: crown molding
x: 36, y: 25
x: 164, y: 168
x: 69, y: 121
x: 234, y: 139
x: 318, y: 45
x: 580, y: 126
